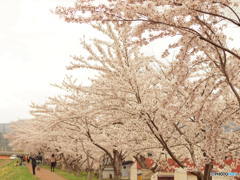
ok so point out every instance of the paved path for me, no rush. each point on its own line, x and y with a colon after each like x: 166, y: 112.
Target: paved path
x: 45, y: 174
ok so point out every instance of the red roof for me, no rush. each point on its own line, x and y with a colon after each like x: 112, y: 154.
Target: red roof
x: 4, y: 157
x: 148, y: 161
x: 237, y: 169
x: 234, y: 161
x: 172, y: 165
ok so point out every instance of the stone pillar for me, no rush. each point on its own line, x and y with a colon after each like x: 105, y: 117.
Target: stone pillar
x: 146, y: 174
x: 180, y: 174
x: 133, y: 171
x: 154, y: 176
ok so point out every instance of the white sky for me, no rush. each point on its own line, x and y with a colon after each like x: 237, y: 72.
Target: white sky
x: 35, y: 47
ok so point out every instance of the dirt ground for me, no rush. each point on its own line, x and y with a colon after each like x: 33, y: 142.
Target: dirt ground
x: 45, y: 174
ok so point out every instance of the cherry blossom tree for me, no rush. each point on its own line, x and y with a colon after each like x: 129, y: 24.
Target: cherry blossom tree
x: 199, y: 26
x: 203, y: 47
x: 184, y: 107
x: 40, y: 135
x: 85, y: 113
x: 179, y: 108
x: 99, y: 121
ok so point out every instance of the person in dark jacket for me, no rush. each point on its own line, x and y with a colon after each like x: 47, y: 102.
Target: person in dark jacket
x: 21, y: 159
x: 34, y: 164
x: 39, y: 158
x: 28, y: 159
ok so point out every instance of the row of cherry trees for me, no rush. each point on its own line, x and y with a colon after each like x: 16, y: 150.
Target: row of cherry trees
x: 180, y: 108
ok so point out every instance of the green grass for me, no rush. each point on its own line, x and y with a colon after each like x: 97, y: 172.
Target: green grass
x: 69, y: 175
x: 11, y: 172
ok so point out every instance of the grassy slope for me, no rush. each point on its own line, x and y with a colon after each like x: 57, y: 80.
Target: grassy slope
x: 12, y: 172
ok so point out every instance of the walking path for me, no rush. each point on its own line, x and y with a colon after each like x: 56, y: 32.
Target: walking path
x: 45, y: 174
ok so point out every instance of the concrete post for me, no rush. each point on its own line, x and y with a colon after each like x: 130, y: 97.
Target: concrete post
x: 180, y: 174
x: 133, y: 171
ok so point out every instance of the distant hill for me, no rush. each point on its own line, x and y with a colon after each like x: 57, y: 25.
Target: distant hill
x: 4, y: 128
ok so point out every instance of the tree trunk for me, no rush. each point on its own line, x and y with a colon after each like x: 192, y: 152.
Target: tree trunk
x: 63, y: 162
x: 199, y: 175
x: 89, y: 168
x: 208, y: 168
x: 89, y: 175
x: 117, y: 164
x: 206, y: 175
x: 100, y: 171
x: 141, y: 161
x: 63, y: 167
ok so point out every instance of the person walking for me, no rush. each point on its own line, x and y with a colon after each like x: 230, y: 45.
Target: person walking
x: 34, y: 164
x: 21, y: 159
x: 53, y: 162
x: 39, y: 161
x: 39, y: 158
x: 28, y: 159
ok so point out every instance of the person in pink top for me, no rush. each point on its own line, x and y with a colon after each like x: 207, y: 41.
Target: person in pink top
x: 53, y: 162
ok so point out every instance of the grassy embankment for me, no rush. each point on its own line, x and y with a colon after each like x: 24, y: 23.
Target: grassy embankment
x: 69, y: 175
x: 8, y: 171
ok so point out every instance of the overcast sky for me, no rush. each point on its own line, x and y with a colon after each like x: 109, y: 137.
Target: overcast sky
x: 35, y: 47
